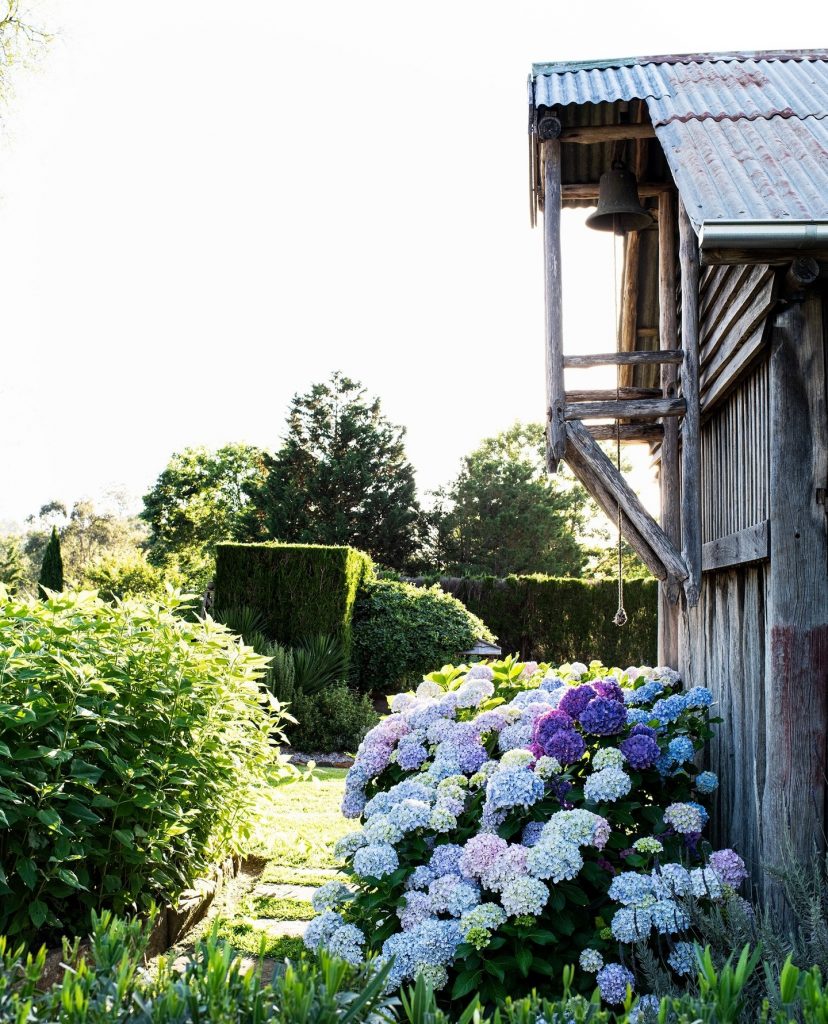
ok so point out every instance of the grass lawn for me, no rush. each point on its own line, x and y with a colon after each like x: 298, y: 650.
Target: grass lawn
x: 298, y: 826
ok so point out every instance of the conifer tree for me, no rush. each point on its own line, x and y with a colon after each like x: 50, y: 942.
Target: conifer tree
x: 51, y: 572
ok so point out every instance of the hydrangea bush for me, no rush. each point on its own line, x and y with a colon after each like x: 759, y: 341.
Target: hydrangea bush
x: 516, y: 819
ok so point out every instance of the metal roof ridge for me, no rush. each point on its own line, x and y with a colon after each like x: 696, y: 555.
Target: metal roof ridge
x: 542, y: 68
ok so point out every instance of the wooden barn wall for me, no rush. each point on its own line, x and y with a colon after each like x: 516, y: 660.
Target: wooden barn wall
x: 727, y: 654
x: 735, y: 459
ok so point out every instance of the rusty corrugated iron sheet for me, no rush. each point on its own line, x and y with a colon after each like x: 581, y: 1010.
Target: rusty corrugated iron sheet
x: 745, y: 135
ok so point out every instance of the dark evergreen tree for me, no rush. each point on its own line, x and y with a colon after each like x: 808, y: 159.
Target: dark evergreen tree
x: 51, y: 572
x: 341, y: 477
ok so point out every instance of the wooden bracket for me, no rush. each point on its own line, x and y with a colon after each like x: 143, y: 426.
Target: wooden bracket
x: 609, y: 488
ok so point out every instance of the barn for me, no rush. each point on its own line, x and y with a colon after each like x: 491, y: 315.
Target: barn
x: 721, y: 370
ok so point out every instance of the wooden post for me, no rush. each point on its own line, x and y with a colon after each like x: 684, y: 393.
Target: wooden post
x: 556, y: 429
x: 691, y: 429
x: 796, y: 654
x: 668, y: 592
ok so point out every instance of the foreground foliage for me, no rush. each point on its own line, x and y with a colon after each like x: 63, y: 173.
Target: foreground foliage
x: 132, y: 745
x: 516, y: 818
x: 107, y: 984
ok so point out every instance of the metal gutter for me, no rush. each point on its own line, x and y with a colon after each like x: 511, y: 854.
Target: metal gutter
x: 804, y: 235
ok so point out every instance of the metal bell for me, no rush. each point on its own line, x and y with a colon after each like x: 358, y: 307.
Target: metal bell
x: 619, y: 208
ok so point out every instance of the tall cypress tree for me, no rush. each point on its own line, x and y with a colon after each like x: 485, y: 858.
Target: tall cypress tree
x: 51, y: 572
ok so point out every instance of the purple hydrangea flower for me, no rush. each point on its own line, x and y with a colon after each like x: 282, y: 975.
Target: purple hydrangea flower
x: 642, y: 730
x: 603, y: 716
x: 566, y: 746
x: 640, y: 751
x: 729, y: 866
x: 548, y: 724
x: 613, y: 981
x: 576, y: 698
x: 609, y: 688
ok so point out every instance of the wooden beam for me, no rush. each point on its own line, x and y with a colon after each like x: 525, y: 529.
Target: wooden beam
x: 645, y: 409
x: 629, y: 304
x: 611, y: 394
x: 691, y: 543
x: 632, y: 511
x: 742, y: 548
x: 588, y: 134
x: 597, y: 488
x: 555, y: 428
x: 630, y: 432
x: 588, y: 190
x: 674, y: 356
x: 796, y: 614
x: 669, y: 592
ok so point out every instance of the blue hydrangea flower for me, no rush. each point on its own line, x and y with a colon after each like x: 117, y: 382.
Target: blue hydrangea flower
x: 603, y: 716
x: 591, y: 961
x: 698, y: 697
x: 445, y: 860
x: 524, y: 896
x: 346, y: 943
x: 514, y: 787
x: 671, y: 880
x: 629, y: 924
x: 420, y: 878
x: 668, y: 709
x: 682, y: 958
x: 376, y: 861
x: 321, y: 928
x: 707, y: 782
x: 555, y: 858
x: 705, y: 884
x: 607, y: 757
x: 684, y: 818
x: 630, y: 887
x: 613, y: 981
x: 330, y: 896
x: 668, y: 917
x: 608, y: 784
x: 681, y: 749
x: 645, y: 1010
x: 645, y: 694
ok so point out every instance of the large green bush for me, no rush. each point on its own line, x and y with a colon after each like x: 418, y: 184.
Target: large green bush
x: 298, y: 589
x: 335, y: 718
x: 402, y: 631
x: 551, y: 619
x: 131, y: 746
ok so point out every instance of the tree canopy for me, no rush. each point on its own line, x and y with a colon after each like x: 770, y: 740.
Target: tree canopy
x: 503, y: 514
x: 341, y: 477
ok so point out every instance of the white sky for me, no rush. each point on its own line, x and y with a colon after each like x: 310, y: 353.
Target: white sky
x: 205, y: 207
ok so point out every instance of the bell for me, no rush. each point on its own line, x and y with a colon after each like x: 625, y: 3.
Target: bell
x: 619, y: 208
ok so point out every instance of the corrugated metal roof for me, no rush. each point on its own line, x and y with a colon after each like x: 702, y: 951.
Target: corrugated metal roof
x: 745, y: 135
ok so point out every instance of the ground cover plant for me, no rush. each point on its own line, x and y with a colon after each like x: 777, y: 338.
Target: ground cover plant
x: 517, y: 819
x: 133, y: 746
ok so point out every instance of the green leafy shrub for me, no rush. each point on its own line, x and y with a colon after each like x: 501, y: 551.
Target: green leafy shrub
x: 299, y: 589
x: 332, y: 719
x: 132, y: 743
x: 402, y: 631
x: 127, y: 575
x: 550, y: 619
x: 51, y: 572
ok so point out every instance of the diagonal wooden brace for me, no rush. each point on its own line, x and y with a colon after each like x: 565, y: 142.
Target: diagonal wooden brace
x: 611, y: 490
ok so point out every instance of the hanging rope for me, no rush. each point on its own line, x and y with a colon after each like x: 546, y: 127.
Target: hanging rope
x: 620, y: 616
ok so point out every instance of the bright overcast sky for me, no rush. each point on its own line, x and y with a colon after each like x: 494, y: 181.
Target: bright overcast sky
x: 205, y: 207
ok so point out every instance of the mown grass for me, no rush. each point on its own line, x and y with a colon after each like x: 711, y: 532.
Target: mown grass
x: 244, y: 937
x: 277, y: 874
x: 281, y: 908
x: 300, y: 822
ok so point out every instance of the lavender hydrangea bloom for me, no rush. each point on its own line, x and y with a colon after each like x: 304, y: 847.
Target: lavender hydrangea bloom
x: 445, y: 860
x: 671, y: 880
x: 603, y: 716
x: 684, y: 818
x: 452, y: 895
x: 729, y: 866
x: 420, y: 878
x: 330, y: 896
x: 531, y: 833
x: 566, y: 746
x: 489, y: 721
x: 411, y: 752
x: 519, y: 734
x: 613, y: 981
x: 480, y: 672
x: 640, y: 751
x: 576, y: 698
x: 554, y: 858
x: 321, y: 928
x: 549, y: 723
x: 668, y: 917
x: 609, y: 688
x: 630, y: 924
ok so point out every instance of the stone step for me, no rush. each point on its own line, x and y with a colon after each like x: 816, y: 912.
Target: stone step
x: 285, y: 892
x: 278, y: 928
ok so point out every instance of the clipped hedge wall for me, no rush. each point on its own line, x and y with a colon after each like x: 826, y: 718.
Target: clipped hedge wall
x: 550, y: 619
x: 299, y: 589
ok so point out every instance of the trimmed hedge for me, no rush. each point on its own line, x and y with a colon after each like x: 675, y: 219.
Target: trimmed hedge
x: 546, y: 618
x: 299, y: 589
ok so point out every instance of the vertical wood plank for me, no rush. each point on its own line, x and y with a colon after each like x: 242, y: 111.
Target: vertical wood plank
x: 668, y: 592
x: 690, y: 454
x: 556, y: 428
x: 797, y: 655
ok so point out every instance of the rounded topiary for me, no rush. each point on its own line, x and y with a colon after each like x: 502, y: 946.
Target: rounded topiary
x: 401, y: 632
x: 332, y: 719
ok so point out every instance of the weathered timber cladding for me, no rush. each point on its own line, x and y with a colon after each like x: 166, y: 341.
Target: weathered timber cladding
x: 734, y: 307
x: 735, y: 445
x: 729, y: 657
